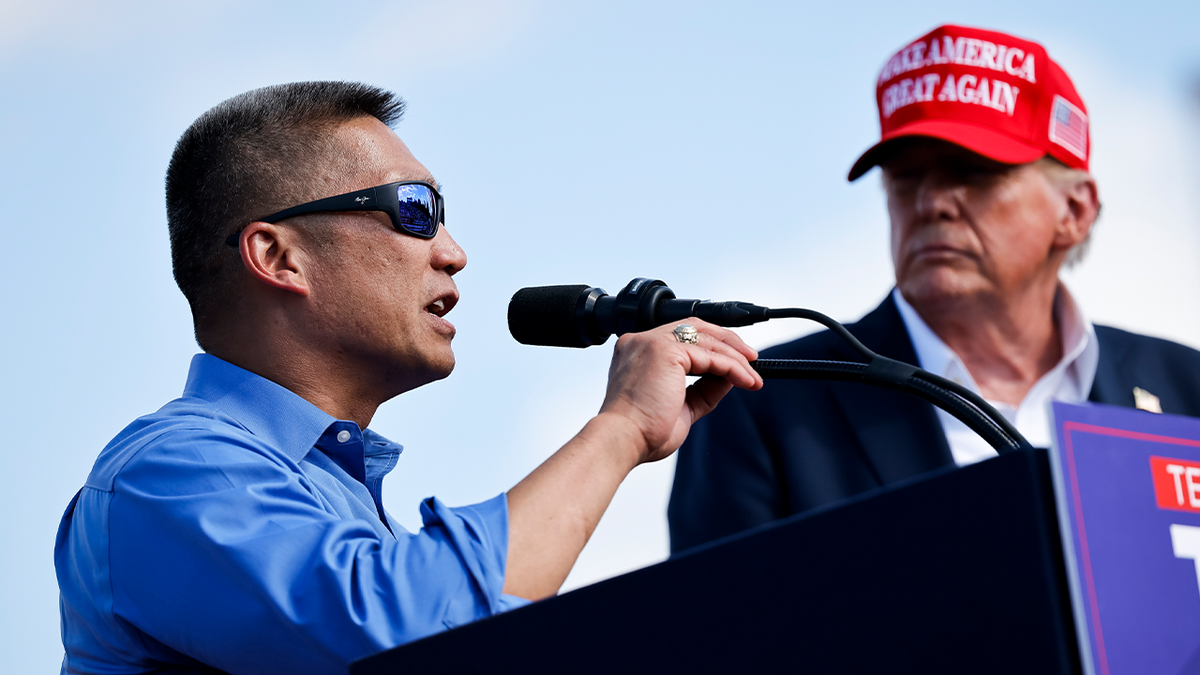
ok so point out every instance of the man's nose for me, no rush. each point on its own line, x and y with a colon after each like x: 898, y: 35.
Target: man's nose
x: 939, y: 196
x: 447, y: 254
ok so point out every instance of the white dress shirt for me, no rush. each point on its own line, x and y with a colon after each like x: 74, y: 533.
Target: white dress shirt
x: 1070, y: 380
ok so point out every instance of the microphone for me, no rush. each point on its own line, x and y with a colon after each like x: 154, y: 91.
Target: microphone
x: 582, y: 316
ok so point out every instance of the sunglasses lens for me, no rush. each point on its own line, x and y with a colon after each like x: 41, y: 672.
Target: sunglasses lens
x: 416, y: 209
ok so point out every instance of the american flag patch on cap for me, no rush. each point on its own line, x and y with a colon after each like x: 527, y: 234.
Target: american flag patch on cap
x: 1069, y: 127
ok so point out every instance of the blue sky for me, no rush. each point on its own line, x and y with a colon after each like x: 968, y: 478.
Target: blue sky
x: 529, y: 113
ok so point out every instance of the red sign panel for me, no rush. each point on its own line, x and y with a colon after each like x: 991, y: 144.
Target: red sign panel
x: 1176, y: 483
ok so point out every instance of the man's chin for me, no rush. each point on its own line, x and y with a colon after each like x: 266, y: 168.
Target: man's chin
x: 438, y: 368
x: 444, y: 371
x: 940, y: 290
x: 407, y: 377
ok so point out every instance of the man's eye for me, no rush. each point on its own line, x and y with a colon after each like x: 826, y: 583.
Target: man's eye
x: 982, y: 170
x: 979, y: 175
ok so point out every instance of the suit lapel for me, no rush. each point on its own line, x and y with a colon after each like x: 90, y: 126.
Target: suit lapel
x: 1109, y: 387
x: 900, y: 433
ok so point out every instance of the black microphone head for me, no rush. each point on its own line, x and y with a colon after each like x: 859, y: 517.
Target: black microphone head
x: 548, y: 316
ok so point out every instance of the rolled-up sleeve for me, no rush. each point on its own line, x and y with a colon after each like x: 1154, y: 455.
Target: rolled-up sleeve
x: 226, y: 553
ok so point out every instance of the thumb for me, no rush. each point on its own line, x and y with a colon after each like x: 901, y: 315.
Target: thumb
x: 704, y: 394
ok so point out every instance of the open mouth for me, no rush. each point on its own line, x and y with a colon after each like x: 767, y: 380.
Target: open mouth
x: 442, y: 306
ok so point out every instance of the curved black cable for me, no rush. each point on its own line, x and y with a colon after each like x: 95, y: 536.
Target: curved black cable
x: 845, y: 371
x: 828, y: 322
x: 899, y: 375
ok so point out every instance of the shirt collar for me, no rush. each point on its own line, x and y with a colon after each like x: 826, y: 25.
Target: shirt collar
x: 264, y: 408
x: 1081, y: 349
x: 933, y: 354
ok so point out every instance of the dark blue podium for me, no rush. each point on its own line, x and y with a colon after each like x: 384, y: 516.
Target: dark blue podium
x: 958, y: 571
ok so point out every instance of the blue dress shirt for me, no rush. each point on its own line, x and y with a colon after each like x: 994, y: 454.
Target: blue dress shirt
x: 241, y: 528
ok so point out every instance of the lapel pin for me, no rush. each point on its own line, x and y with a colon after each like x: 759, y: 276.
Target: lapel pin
x: 1144, y: 400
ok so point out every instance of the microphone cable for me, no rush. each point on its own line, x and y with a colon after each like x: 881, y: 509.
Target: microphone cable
x: 582, y: 316
x: 965, y: 405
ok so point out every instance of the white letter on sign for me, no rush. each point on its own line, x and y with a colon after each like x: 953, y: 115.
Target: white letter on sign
x: 1177, y: 471
x: 1185, y: 539
x: 1193, y: 486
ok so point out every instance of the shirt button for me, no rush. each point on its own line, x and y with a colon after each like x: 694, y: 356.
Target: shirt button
x: 343, y: 436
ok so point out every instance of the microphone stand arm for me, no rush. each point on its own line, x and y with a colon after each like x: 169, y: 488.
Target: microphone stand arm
x: 962, y: 403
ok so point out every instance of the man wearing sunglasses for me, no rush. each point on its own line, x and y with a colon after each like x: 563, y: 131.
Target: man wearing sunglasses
x: 240, y: 527
x: 984, y: 154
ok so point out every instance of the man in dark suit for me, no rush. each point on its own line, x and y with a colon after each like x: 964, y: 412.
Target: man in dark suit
x: 984, y: 153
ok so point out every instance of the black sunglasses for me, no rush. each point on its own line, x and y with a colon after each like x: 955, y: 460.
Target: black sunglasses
x: 415, y: 207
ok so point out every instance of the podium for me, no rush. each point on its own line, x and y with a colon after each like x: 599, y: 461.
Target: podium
x: 956, y: 571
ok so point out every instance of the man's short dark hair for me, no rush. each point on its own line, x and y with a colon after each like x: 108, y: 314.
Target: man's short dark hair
x: 254, y: 154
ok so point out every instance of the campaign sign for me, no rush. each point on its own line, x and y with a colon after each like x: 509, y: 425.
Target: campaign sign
x: 1127, y: 484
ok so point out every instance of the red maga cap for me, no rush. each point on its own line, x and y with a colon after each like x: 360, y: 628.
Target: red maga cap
x: 991, y: 93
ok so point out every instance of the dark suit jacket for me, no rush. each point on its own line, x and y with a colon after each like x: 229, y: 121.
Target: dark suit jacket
x: 796, y: 445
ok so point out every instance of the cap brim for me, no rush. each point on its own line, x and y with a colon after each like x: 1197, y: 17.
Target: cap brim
x: 988, y: 142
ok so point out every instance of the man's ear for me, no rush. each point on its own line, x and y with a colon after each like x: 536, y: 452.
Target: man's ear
x: 1082, y: 210
x: 273, y: 256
